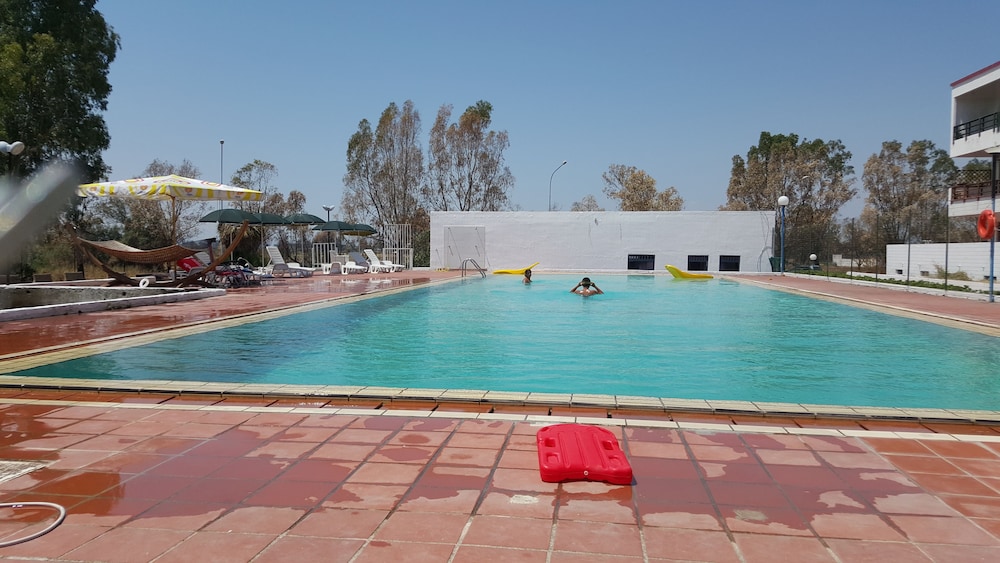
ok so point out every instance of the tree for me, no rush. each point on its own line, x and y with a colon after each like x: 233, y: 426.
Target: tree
x: 588, y: 203
x: 635, y: 190
x: 54, y: 61
x: 814, y: 175
x: 385, y: 169
x: 906, y: 192
x: 257, y: 175
x: 466, y: 170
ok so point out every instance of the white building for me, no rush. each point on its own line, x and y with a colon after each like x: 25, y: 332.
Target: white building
x: 737, y: 241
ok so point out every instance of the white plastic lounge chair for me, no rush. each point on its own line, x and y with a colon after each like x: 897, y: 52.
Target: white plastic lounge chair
x: 279, y: 267
x: 357, y: 264
x: 383, y: 265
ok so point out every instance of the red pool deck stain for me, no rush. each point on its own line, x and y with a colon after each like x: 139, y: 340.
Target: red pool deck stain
x: 161, y: 477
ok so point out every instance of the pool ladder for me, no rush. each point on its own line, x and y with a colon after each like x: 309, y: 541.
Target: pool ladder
x: 474, y: 264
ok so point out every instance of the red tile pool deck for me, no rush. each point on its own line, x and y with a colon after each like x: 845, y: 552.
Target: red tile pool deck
x: 150, y: 473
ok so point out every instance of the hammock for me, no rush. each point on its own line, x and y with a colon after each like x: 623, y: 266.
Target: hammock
x: 158, y: 255
x: 134, y: 255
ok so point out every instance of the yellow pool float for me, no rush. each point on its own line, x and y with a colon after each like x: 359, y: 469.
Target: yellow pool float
x: 680, y: 274
x: 515, y: 272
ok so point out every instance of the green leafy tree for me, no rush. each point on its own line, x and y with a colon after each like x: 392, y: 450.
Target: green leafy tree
x: 466, y: 167
x: 635, y: 190
x: 385, y: 169
x: 814, y: 175
x: 906, y: 192
x: 54, y: 61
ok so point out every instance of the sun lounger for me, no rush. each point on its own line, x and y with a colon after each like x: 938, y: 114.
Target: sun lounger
x: 382, y: 265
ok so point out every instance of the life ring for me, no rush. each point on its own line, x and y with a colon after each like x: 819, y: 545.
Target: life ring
x: 144, y: 283
x: 987, y: 224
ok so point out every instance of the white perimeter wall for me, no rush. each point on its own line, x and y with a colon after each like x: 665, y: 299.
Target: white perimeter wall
x: 600, y: 240
x: 973, y: 258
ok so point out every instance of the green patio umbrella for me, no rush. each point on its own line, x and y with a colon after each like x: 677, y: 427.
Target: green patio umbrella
x: 301, y: 220
x: 264, y: 219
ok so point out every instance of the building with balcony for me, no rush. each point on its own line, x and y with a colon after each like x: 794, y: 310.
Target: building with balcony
x: 975, y: 133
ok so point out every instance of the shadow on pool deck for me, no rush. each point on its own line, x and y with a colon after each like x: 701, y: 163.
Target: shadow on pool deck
x: 240, y: 476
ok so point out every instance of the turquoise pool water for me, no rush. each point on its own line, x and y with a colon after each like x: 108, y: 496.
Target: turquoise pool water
x: 648, y: 336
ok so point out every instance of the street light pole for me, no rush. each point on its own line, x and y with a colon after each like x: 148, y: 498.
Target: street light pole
x: 782, y: 203
x: 550, y: 183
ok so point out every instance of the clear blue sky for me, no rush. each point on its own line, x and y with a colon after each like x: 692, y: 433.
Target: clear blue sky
x: 673, y: 88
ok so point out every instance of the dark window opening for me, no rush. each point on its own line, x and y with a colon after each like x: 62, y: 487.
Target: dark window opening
x: 729, y: 263
x: 697, y: 263
x: 641, y: 261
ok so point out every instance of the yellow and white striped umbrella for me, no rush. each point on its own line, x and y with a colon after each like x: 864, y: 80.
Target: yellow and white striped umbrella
x: 170, y: 187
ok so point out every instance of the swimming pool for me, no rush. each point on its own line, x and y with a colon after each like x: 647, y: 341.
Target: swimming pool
x: 648, y: 336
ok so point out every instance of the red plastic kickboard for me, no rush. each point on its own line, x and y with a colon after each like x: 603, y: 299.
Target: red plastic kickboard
x: 575, y: 452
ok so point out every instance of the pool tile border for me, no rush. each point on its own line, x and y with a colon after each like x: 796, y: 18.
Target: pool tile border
x: 380, y: 400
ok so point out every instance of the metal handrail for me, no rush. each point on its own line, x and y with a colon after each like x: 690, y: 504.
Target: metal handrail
x: 976, y: 126
x: 478, y: 268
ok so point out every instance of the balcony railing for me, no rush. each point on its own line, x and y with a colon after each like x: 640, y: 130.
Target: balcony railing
x: 971, y: 185
x: 976, y: 126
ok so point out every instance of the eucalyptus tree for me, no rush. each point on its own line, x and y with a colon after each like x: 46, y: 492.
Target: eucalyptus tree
x: 635, y: 190
x: 815, y: 176
x: 466, y: 168
x: 906, y: 197
x: 588, y: 203
x: 385, y: 169
x: 54, y: 61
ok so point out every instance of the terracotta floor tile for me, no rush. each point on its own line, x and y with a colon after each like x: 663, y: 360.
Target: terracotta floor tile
x: 620, y: 511
x: 664, y: 469
x: 165, y: 445
x: 979, y: 507
x: 224, y: 447
x: 479, y: 553
x: 638, y: 448
x: 454, y: 477
x: 468, y: 456
x: 297, y: 494
x: 257, y: 520
x: 679, y: 515
x: 737, y: 494
x: 129, y: 545
x: 301, y: 548
x: 922, y: 464
x: 143, y: 428
x: 942, y: 529
x: 855, y: 551
x: 340, y: 523
x: 898, y: 446
x: 346, y: 452
x: 414, y: 438
x: 250, y: 468
x: 128, y: 462
x: 978, y: 467
x: 283, y: 450
x: 156, y: 487
x: 953, y: 484
x: 228, y: 491
x: 519, y: 459
x: 389, y: 424
x: 382, y: 551
x: 106, y: 511
x: 525, y: 505
x: 66, y: 537
x: 511, y: 532
x: 360, y: 436
x: 734, y: 472
x: 218, y: 547
x: 319, y: 470
x: 437, y: 499
x: 799, y: 476
x: 833, y: 444
x: 306, y: 434
x: 250, y: 432
x: 523, y: 480
x: 765, y: 520
x: 189, y: 466
x: 403, y: 454
x: 385, y: 473
x: 694, y: 545
x: 468, y: 440
x: 369, y: 496
x: 445, y: 425
x: 724, y: 454
x: 81, y: 483
x: 781, y: 549
x: 961, y: 450
x: 178, y: 515
x: 422, y: 526
x: 918, y: 503
x: 597, y: 538
x: 961, y: 553
x: 850, y: 525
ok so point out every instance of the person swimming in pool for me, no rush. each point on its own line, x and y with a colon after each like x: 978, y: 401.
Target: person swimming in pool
x: 586, y: 287
x: 527, y: 276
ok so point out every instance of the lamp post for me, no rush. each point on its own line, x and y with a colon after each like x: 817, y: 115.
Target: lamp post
x: 782, y: 203
x: 12, y: 150
x: 550, y: 182
x: 328, y: 209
